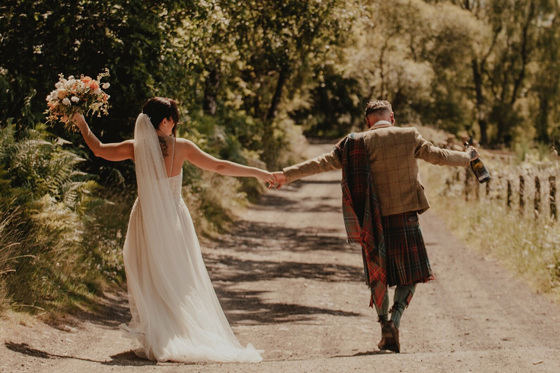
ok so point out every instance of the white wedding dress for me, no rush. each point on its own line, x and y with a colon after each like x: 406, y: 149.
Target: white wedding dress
x: 176, y: 315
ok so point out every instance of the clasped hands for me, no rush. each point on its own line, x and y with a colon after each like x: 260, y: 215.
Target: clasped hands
x: 279, y: 180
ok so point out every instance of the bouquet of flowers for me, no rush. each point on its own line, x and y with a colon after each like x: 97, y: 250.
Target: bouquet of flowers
x: 84, y: 95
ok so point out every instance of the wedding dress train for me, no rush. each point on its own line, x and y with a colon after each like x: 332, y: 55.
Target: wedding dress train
x: 176, y: 315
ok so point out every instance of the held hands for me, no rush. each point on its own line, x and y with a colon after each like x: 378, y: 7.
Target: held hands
x: 275, y: 180
x: 280, y: 180
x: 266, y: 177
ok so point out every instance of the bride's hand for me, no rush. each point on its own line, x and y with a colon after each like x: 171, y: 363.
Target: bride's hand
x: 77, y: 119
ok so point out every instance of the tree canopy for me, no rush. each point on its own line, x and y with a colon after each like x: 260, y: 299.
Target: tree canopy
x: 487, y: 67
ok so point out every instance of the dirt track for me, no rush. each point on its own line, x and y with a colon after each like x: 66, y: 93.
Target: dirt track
x: 290, y: 285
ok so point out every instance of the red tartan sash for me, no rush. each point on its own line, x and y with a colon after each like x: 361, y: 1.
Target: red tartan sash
x: 362, y: 215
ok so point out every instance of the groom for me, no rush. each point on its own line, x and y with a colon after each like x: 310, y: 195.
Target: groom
x: 382, y: 197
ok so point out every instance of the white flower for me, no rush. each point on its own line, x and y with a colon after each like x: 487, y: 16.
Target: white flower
x: 106, y: 85
x: 71, y: 77
x: 58, y: 85
x: 66, y: 102
x: 97, y: 91
x: 75, y: 99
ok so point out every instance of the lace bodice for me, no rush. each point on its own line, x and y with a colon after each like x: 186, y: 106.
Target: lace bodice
x: 176, y: 183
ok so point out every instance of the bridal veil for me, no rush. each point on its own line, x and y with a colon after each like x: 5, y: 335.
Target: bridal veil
x: 176, y: 315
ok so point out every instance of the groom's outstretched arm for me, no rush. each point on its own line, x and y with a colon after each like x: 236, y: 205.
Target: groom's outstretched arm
x: 323, y: 163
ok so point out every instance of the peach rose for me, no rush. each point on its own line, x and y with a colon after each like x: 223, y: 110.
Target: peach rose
x: 93, y: 85
x: 62, y: 93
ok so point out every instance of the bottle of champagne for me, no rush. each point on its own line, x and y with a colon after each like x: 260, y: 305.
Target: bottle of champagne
x: 479, y: 169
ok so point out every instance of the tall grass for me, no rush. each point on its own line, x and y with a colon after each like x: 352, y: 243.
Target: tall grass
x: 525, y: 242
x: 11, y: 236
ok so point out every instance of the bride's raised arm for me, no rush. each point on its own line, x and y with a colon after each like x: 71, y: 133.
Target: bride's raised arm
x: 112, y: 152
x: 192, y: 153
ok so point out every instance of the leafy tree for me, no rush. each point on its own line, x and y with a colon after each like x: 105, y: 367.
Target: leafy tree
x: 501, y: 65
x: 546, y: 78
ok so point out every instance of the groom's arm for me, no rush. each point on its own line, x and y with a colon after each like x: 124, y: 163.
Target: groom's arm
x: 322, y: 163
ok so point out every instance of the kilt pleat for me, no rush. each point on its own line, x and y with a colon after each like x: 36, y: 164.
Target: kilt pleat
x: 407, y: 259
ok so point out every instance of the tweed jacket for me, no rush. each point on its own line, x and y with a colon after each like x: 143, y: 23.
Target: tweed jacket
x: 393, y: 152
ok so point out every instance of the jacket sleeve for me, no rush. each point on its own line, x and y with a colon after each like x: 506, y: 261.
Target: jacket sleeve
x: 322, y: 163
x: 430, y: 153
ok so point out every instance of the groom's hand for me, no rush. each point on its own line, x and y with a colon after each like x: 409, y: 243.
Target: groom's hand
x: 280, y: 180
x: 472, y: 152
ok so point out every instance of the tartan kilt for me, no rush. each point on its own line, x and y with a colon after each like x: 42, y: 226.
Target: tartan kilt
x: 407, y: 259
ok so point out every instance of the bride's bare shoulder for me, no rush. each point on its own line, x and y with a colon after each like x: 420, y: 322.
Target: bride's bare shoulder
x: 184, y: 143
x: 186, y: 147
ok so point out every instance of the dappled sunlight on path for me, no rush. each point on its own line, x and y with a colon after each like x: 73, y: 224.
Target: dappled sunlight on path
x: 291, y: 285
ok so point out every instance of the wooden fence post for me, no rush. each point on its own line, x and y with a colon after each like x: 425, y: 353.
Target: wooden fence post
x: 508, y: 194
x: 467, y: 178
x: 537, y: 195
x: 521, y: 193
x: 552, y: 197
x: 476, y: 189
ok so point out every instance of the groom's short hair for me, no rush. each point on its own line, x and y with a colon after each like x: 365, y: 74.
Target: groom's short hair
x: 378, y: 106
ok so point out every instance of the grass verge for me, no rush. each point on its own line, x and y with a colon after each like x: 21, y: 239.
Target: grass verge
x: 527, y: 245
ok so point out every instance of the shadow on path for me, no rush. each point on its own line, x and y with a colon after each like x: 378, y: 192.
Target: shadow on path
x: 273, y: 201
x: 227, y: 270
x: 366, y: 353
x: 122, y: 359
x: 108, y: 312
x: 247, y: 306
x: 240, y: 270
x: 257, y: 236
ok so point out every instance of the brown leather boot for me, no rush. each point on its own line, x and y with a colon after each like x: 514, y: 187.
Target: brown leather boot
x: 389, y: 337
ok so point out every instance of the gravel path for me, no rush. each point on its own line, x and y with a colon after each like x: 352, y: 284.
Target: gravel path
x: 290, y: 285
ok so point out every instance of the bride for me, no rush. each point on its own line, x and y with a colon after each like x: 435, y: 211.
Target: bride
x: 176, y: 315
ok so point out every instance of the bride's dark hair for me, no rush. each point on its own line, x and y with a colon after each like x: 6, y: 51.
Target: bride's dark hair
x: 160, y: 108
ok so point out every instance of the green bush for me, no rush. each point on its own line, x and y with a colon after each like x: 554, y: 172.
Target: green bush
x: 45, y: 261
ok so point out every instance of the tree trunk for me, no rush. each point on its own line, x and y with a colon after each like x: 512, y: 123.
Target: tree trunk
x: 525, y: 53
x: 325, y: 105
x: 542, y: 118
x: 480, y: 111
x: 282, y: 78
x: 209, y: 103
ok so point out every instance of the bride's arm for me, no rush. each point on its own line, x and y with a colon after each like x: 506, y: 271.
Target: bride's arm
x: 112, y: 151
x: 200, y: 159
